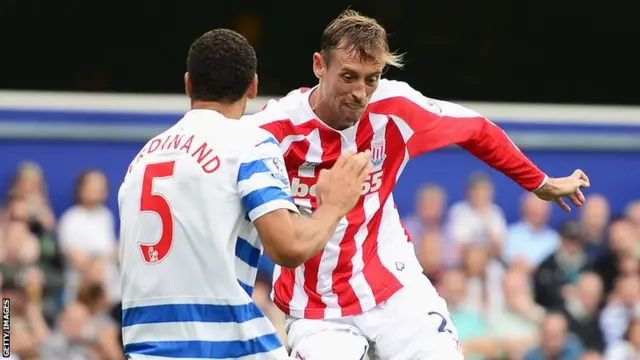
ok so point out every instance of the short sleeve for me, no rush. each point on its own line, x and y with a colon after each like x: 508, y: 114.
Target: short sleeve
x: 263, y: 183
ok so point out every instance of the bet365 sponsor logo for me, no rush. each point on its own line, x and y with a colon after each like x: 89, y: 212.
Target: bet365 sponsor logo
x: 306, y: 187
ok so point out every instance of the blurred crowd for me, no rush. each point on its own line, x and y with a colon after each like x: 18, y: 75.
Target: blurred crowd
x: 60, y: 274
x: 526, y: 290
x: 523, y: 290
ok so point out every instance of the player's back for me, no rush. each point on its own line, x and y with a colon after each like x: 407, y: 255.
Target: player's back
x: 189, y: 256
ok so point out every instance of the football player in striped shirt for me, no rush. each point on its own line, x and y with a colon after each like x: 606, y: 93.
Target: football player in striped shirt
x: 366, y: 289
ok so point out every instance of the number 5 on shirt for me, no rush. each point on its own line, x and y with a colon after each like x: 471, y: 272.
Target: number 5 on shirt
x: 156, y: 203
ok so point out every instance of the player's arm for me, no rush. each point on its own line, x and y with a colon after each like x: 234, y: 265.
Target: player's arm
x: 288, y: 238
x: 437, y: 124
x: 291, y: 239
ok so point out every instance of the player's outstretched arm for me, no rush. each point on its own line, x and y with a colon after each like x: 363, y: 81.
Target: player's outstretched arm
x: 436, y: 124
x: 290, y: 239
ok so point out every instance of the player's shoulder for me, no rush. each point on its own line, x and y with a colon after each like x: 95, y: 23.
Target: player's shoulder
x: 250, y: 134
x: 394, y: 96
x: 392, y: 89
x: 289, y: 101
x: 287, y: 108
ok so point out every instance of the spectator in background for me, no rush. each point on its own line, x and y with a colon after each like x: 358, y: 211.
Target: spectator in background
x: 20, y: 248
x: 629, y: 264
x: 434, y: 249
x: 591, y: 355
x: 582, y: 310
x: 561, y: 268
x: 556, y: 342
x: 515, y: 326
x: 531, y: 240
x: 594, y: 218
x: 470, y: 323
x: 478, y: 219
x: 28, y: 327
x: 29, y: 184
x: 87, y: 229
x: 632, y: 212
x: 433, y: 256
x: 629, y: 348
x: 74, y: 337
x: 431, y: 202
x: 623, y: 242
x: 622, y: 306
x: 92, y: 295
x: 484, y: 277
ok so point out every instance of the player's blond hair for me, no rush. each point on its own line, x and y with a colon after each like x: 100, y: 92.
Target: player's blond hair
x: 361, y: 35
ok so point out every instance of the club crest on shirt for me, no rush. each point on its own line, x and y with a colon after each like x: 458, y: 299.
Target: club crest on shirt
x: 378, y: 152
x: 277, y: 170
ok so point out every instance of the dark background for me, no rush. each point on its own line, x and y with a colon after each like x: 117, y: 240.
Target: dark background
x: 494, y: 50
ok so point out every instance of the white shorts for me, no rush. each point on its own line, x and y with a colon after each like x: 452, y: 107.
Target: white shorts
x: 414, y: 324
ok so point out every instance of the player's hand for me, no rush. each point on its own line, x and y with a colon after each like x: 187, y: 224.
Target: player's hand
x: 340, y: 187
x: 556, y: 189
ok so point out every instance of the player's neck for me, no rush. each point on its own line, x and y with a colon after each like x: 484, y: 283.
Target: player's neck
x: 230, y: 111
x: 322, y: 110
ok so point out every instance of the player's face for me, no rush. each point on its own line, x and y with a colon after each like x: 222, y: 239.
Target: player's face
x: 346, y: 85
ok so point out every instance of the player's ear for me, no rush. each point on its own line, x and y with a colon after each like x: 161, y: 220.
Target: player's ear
x: 252, y: 91
x: 187, y: 84
x: 319, y: 66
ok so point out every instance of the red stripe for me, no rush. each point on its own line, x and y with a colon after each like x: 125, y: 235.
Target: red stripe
x: 294, y: 156
x: 347, y: 298
x: 276, y: 128
x: 331, y: 148
x: 330, y: 144
x: 314, y: 309
x: 283, y: 289
x: 406, y: 232
x: 382, y: 282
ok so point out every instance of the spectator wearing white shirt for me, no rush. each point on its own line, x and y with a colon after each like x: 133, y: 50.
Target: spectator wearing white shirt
x: 622, y: 307
x: 478, y: 219
x: 629, y: 349
x: 87, y: 229
x: 531, y: 240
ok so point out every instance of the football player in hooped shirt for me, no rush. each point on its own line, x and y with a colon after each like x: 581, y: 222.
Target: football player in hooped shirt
x: 365, y: 294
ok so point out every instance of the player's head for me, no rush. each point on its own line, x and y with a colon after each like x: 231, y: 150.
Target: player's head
x: 353, y: 54
x: 221, y: 67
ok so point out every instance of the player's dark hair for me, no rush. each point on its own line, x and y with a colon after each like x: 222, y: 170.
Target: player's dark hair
x: 221, y: 64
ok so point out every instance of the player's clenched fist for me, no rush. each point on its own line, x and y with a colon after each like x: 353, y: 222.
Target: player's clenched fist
x: 340, y: 187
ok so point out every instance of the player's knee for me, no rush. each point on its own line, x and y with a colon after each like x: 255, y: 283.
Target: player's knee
x: 331, y: 345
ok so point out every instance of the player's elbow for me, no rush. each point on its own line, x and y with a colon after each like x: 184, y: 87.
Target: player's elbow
x: 280, y: 239
x: 289, y: 262
x: 288, y: 256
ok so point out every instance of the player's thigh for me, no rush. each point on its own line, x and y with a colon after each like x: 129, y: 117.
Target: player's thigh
x: 325, y: 340
x: 413, y: 324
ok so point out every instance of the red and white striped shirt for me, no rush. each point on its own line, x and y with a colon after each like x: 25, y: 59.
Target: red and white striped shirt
x: 358, y: 269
